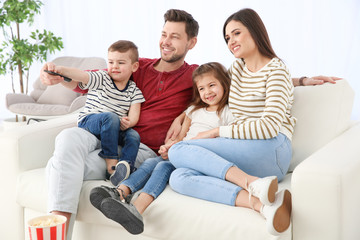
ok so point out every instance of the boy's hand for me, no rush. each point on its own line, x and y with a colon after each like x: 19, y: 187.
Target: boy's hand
x: 48, y: 79
x: 124, y: 123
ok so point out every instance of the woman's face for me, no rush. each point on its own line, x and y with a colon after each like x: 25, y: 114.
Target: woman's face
x: 239, y: 40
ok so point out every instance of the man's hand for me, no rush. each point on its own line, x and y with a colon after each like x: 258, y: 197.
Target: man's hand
x: 124, y: 123
x: 318, y: 80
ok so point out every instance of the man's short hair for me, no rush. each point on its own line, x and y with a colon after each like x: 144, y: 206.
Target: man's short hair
x: 191, y: 25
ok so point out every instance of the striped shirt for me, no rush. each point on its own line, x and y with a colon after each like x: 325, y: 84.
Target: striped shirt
x: 104, y: 96
x: 260, y: 102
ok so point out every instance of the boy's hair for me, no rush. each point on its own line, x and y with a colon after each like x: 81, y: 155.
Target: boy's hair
x: 252, y: 21
x: 191, y: 25
x: 124, y: 46
x: 221, y: 74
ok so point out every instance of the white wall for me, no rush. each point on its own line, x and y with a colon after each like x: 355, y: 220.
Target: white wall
x: 313, y: 37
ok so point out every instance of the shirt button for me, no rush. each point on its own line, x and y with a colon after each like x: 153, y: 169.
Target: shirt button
x: 159, y: 89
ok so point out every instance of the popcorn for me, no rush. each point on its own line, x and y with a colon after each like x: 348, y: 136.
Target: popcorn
x: 47, y: 222
x: 48, y: 227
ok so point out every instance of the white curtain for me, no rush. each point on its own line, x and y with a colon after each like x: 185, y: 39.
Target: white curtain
x: 312, y: 37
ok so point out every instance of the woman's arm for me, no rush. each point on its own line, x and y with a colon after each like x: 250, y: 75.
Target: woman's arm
x: 317, y: 80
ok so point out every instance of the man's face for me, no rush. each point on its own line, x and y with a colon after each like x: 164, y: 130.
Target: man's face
x: 174, y: 42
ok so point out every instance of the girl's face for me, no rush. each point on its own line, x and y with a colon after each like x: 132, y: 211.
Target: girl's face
x: 120, y: 66
x: 239, y: 40
x: 210, y: 90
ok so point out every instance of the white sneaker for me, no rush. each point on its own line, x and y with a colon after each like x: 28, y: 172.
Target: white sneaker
x: 264, y: 189
x: 278, y: 215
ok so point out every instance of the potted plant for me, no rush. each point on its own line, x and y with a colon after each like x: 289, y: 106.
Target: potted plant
x: 18, y: 53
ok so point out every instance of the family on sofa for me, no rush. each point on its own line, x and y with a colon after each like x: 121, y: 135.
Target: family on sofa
x: 234, y: 158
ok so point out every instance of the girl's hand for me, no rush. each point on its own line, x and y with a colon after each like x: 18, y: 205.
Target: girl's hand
x: 213, y: 133
x: 164, y: 149
x: 124, y: 123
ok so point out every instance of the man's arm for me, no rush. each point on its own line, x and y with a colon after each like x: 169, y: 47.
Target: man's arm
x: 175, y: 128
x: 184, y: 129
x: 317, y: 80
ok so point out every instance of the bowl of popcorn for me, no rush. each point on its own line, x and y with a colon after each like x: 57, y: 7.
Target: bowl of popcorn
x: 48, y: 227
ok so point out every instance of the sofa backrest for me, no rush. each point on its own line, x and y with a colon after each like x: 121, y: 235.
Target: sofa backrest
x: 322, y: 112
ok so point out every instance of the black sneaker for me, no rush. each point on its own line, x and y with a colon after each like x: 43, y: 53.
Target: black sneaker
x: 123, y: 213
x: 122, y: 172
x: 100, y: 193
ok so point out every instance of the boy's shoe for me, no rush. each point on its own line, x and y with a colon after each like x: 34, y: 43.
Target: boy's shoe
x: 98, y: 194
x: 124, y: 213
x: 264, y: 189
x: 278, y: 215
x: 122, y: 172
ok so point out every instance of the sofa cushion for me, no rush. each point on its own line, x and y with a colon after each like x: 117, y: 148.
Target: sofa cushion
x: 163, y: 216
x: 322, y: 112
x: 58, y: 95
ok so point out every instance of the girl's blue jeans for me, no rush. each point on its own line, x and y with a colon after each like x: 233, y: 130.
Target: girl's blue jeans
x: 152, y: 175
x: 201, y: 164
x: 106, y: 127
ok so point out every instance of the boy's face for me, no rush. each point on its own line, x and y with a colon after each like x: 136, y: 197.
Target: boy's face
x: 174, y: 42
x: 120, y: 66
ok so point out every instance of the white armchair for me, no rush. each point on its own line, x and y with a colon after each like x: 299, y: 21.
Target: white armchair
x: 46, y: 102
x: 324, y: 179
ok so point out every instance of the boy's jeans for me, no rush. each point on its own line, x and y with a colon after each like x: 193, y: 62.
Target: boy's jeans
x: 106, y: 127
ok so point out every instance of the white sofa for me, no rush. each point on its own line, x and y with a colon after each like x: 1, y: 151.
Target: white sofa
x: 324, y: 179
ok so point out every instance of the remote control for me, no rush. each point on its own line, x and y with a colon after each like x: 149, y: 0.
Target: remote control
x: 58, y: 74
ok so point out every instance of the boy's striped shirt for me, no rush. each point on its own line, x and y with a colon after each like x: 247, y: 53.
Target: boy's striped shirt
x: 104, y: 96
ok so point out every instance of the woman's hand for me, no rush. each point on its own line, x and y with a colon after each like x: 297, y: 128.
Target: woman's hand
x: 213, y: 133
x: 318, y: 80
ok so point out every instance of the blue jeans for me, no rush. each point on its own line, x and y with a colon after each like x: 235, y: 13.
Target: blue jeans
x: 202, y: 164
x: 152, y: 176
x: 106, y: 127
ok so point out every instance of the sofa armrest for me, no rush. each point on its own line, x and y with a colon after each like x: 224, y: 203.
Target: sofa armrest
x: 30, y: 146
x: 24, y: 148
x: 325, y: 190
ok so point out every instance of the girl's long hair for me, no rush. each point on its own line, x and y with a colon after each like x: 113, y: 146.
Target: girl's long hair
x: 221, y: 74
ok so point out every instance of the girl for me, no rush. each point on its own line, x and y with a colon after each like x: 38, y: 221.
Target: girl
x: 242, y: 166
x: 209, y: 109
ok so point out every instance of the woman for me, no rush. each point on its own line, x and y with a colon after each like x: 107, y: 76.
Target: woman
x: 240, y: 164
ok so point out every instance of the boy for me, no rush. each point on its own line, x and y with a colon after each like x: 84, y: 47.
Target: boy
x: 112, y: 108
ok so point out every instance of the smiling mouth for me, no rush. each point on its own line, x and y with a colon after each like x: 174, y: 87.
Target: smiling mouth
x: 236, y: 48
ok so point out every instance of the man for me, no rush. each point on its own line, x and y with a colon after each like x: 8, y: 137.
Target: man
x: 166, y: 84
